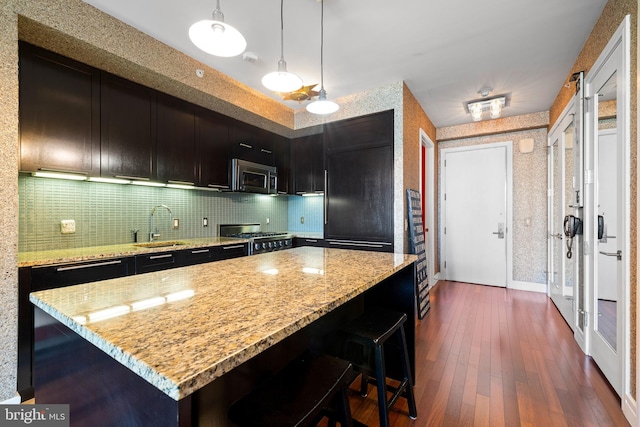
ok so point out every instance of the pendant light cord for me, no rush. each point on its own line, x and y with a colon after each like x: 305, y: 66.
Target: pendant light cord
x: 282, y: 30
x: 322, y: 44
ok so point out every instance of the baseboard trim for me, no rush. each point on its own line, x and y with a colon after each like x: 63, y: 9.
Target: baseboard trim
x: 630, y: 409
x: 528, y: 286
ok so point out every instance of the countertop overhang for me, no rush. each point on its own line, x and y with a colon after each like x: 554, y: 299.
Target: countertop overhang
x: 181, y: 329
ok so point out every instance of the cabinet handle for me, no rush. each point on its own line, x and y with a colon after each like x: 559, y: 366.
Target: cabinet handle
x: 326, y: 195
x: 182, y: 182
x: 266, y: 151
x: 360, y: 244
x: 218, y: 186
x: 97, y: 264
x: 242, y: 144
x: 135, y: 178
x: 311, y: 240
x: 161, y: 256
x: 233, y: 247
x: 200, y: 251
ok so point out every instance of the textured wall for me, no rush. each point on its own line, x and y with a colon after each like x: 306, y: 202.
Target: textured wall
x: 529, y: 201
x: 9, y: 197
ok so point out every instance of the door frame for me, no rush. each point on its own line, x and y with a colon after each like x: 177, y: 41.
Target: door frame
x: 508, y: 145
x: 428, y: 202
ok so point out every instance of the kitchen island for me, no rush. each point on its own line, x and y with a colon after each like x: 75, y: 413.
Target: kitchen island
x: 176, y: 347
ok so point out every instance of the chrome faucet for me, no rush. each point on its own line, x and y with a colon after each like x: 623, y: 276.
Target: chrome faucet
x: 154, y: 235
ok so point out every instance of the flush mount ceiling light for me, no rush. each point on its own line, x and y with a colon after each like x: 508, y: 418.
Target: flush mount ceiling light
x: 322, y: 105
x: 493, y: 105
x: 282, y: 80
x: 217, y: 37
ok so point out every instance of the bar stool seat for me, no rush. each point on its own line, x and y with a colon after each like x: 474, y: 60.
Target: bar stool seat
x: 305, y: 391
x: 364, y: 341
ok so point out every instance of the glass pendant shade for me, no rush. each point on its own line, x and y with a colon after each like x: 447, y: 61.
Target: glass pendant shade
x: 216, y: 37
x: 495, y: 109
x: 476, y: 112
x: 282, y: 80
x: 322, y: 105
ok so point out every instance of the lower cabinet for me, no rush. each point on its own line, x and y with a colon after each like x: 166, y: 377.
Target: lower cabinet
x: 33, y: 279
x: 306, y: 241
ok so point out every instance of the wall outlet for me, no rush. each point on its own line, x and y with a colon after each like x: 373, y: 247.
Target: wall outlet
x: 205, y: 222
x: 268, y: 220
x: 67, y: 226
x: 301, y: 220
x: 176, y: 223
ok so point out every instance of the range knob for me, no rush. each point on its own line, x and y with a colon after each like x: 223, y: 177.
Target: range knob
x: 281, y: 243
x: 256, y: 246
x: 264, y: 246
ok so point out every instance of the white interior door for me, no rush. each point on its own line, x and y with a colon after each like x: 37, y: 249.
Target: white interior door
x: 476, y: 194
x: 561, y: 279
x: 608, y: 215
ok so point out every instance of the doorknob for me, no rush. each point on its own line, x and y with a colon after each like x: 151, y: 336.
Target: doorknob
x: 615, y: 254
x: 500, y: 231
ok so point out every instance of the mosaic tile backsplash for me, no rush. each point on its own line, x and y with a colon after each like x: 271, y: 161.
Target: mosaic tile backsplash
x: 107, y: 214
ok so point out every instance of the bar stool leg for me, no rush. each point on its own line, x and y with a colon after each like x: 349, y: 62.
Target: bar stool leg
x: 381, y: 385
x: 364, y: 385
x: 411, y: 401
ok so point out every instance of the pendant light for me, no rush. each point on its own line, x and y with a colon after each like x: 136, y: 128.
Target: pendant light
x: 282, y: 80
x: 322, y: 105
x: 217, y: 37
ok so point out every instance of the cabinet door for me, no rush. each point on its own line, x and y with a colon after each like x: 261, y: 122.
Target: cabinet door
x: 127, y: 129
x: 59, y: 113
x: 365, y: 131
x: 156, y: 262
x: 176, y: 154
x: 212, y: 135
x: 359, y: 197
x: 282, y: 154
x: 251, y: 143
x: 308, y: 161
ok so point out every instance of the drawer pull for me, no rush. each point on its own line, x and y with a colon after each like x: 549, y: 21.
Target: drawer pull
x: 161, y: 256
x: 311, y: 240
x: 357, y: 243
x: 97, y: 264
x: 266, y: 151
x: 233, y: 247
x: 242, y: 144
x: 200, y: 251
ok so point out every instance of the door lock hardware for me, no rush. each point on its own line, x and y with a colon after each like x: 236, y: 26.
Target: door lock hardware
x: 500, y: 231
x: 617, y: 254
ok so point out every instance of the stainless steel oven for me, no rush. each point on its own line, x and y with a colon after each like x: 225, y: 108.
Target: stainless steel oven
x: 259, y: 241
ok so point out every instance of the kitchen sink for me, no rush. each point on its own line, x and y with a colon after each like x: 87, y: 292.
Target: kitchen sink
x: 159, y: 244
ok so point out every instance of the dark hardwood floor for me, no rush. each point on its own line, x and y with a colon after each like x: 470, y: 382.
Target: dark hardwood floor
x: 490, y: 356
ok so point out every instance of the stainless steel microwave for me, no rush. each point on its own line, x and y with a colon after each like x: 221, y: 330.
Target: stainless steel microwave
x: 253, y: 177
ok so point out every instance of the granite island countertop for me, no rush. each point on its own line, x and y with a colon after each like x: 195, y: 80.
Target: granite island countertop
x: 89, y: 253
x: 181, y: 329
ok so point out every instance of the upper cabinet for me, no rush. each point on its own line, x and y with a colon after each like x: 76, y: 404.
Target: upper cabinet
x: 365, y: 131
x: 251, y: 143
x: 212, y: 138
x: 176, y: 139
x: 59, y: 113
x: 128, y: 129
x: 307, y: 158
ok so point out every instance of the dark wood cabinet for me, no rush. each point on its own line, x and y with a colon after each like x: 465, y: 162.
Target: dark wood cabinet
x: 156, y: 261
x: 128, y: 129
x: 212, y: 138
x: 176, y: 141
x: 251, y: 143
x: 307, y: 241
x: 282, y: 157
x: 359, y: 193
x: 33, y: 279
x: 308, y: 164
x: 59, y: 113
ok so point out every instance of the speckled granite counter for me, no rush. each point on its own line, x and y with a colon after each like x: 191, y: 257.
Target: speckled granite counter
x: 181, y: 329
x: 63, y: 256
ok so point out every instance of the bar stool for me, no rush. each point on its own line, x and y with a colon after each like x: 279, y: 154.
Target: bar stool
x: 305, y: 391
x: 363, y: 343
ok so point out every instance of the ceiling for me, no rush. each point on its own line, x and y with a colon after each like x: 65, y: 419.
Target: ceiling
x: 445, y: 51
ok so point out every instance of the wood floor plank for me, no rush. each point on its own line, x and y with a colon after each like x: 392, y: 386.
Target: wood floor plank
x: 489, y: 356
